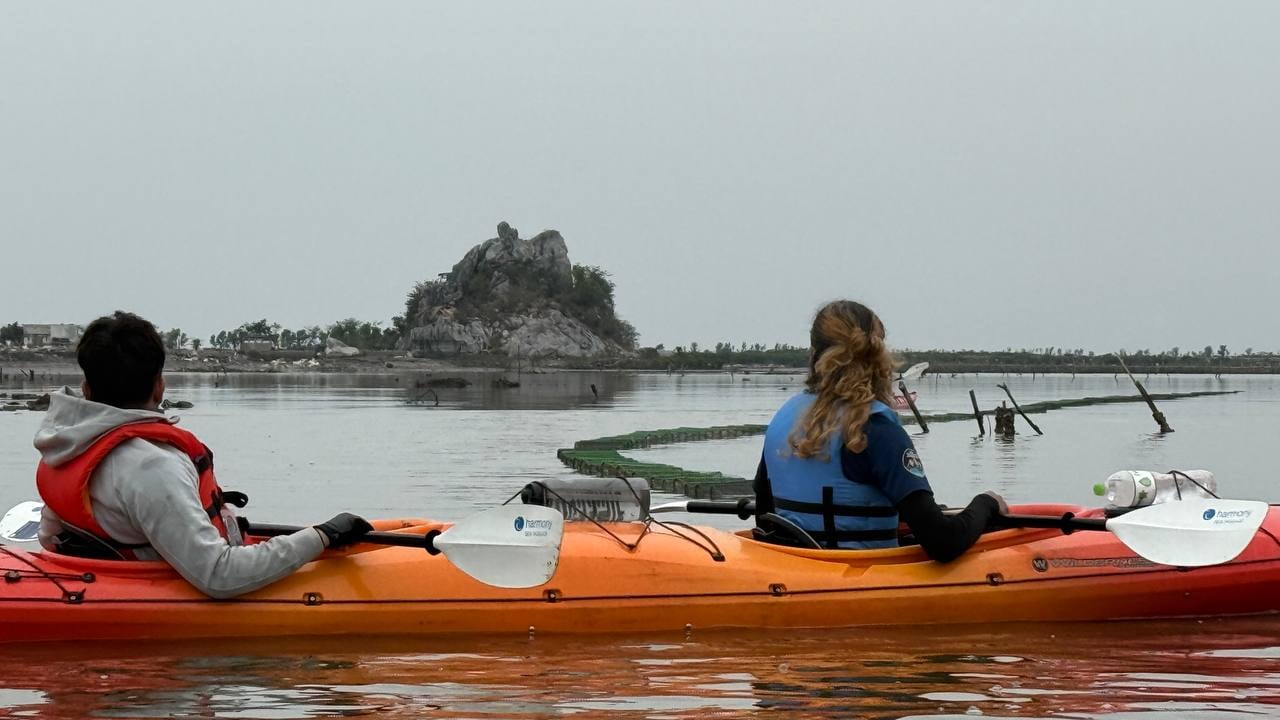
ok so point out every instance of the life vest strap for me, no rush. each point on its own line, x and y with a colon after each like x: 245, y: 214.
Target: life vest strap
x: 829, y: 516
x: 809, y: 508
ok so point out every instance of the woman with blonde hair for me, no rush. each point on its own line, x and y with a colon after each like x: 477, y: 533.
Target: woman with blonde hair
x: 837, y: 462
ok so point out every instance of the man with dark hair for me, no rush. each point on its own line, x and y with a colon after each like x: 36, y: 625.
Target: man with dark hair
x: 120, y: 480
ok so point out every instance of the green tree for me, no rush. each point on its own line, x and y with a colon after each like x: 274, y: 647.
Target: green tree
x: 174, y: 339
x: 11, y: 333
x: 195, y: 344
x: 260, y: 329
x: 363, y: 335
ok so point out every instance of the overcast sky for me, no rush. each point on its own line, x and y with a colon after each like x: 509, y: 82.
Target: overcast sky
x: 984, y: 174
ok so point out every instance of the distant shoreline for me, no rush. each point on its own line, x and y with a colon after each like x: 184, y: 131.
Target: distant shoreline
x: 62, y: 367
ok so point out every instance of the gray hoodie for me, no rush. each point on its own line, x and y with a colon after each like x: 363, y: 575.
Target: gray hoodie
x: 148, y: 493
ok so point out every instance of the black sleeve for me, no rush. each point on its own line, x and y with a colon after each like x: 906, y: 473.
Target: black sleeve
x: 889, y: 462
x: 763, y: 490
x: 946, y: 537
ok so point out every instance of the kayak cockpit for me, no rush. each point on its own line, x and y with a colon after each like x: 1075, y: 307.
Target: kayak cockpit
x: 159, y: 569
x: 912, y: 553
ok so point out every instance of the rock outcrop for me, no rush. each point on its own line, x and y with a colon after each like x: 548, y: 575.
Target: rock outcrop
x: 512, y: 296
x: 334, y: 346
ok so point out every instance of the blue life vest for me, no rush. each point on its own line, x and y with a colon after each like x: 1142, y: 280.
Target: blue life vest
x: 814, y: 492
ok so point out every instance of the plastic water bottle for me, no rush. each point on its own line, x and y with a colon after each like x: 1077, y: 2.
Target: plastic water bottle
x: 1139, y: 488
x: 599, y: 499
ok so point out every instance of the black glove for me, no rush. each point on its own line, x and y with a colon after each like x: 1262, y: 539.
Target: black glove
x: 344, y: 529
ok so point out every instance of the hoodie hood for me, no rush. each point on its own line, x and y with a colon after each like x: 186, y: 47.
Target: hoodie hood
x: 72, y: 424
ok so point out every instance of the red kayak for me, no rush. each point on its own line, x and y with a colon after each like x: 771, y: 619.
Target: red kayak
x: 900, y: 402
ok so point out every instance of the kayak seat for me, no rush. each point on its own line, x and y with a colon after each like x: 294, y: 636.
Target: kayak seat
x: 777, y: 530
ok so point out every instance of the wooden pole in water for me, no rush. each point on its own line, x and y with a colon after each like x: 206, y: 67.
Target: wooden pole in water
x: 977, y: 414
x: 1155, y: 413
x: 1004, y: 387
x: 924, y: 426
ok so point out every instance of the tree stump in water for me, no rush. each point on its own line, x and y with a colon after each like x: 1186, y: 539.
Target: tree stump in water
x: 1004, y: 421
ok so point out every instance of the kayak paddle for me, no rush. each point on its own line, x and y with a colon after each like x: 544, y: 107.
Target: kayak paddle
x: 743, y: 507
x: 914, y: 371
x: 22, y: 522
x: 509, y: 546
x: 1184, y: 533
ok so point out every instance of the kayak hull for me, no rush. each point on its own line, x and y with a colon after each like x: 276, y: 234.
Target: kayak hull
x: 900, y: 402
x: 666, y: 583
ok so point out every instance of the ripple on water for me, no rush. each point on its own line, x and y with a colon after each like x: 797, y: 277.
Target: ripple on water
x: 1263, y: 653
x: 1084, y: 672
x: 19, y: 697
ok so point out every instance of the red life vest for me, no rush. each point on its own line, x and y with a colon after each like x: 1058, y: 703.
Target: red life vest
x: 65, y: 488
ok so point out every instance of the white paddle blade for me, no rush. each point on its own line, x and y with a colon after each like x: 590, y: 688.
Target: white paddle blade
x: 510, y: 546
x: 1192, y: 532
x: 22, y: 522
x: 677, y: 506
x: 914, y: 371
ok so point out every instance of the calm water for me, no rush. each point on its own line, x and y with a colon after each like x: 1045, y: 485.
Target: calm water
x: 305, y: 447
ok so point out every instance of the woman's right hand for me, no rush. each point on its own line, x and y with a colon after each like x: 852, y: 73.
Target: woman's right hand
x: 1004, y: 506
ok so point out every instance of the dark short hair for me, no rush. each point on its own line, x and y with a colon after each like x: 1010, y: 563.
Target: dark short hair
x: 121, y: 356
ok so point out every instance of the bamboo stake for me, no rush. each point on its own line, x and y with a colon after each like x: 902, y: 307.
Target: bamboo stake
x: 1005, y: 387
x: 1155, y: 413
x: 977, y: 414
x: 924, y: 427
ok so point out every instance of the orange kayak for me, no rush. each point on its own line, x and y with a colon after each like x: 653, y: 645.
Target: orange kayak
x: 674, y: 578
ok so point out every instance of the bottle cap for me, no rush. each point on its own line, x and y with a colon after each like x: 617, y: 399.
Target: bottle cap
x: 1099, y: 489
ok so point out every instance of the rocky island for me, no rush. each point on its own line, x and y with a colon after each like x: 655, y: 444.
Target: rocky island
x: 519, y: 298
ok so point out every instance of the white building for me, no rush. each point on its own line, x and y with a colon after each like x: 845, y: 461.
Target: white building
x: 41, y: 335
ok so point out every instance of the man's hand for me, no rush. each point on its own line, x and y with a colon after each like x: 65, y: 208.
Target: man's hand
x: 344, y: 529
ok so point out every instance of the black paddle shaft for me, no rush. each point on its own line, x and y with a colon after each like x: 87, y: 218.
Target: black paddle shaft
x: 426, y: 542
x: 1067, y: 522
x: 744, y: 508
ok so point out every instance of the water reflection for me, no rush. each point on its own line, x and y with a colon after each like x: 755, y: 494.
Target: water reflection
x: 1158, y: 670
x: 306, y: 446
x: 487, y: 390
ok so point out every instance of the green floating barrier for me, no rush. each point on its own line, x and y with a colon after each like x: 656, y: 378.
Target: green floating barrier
x: 600, y: 456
